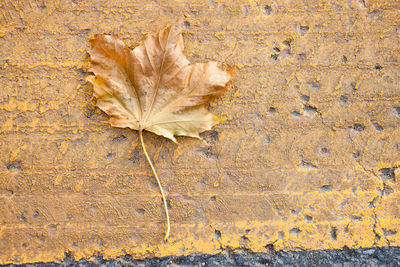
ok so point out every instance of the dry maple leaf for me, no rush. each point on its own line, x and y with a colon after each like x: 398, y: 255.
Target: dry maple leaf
x: 154, y: 87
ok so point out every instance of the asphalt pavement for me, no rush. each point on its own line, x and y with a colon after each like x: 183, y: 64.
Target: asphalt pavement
x: 385, y: 256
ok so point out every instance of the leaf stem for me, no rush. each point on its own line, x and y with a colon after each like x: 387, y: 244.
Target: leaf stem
x: 159, y: 184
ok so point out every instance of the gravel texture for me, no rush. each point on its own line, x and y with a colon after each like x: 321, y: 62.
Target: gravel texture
x: 386, y: 256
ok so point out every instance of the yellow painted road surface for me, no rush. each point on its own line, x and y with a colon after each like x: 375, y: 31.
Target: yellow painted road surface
x: 307, y: 155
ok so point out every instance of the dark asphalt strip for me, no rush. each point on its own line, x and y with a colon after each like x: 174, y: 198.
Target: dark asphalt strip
x: 386, y: 256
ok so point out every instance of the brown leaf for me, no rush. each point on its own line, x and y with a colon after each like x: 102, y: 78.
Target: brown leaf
x: 154, y: 87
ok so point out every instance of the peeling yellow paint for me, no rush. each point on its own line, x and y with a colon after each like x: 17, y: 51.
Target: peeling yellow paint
x: 305, y: 156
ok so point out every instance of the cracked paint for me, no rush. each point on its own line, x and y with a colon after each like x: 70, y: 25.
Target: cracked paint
x: 306, y: 155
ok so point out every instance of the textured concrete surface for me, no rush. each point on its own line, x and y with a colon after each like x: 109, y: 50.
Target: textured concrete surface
x: 307, y: 156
